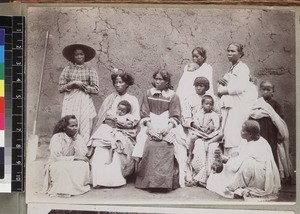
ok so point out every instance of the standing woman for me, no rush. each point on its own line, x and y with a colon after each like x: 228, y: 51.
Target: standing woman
x: 161, y: 166
x: 77, y: 82
x: 113, y: 174
x: 67, y: 171
x: 237, y: 94
x: 199, y: 68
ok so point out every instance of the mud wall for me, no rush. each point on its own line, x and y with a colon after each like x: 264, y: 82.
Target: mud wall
x: 143, y: 40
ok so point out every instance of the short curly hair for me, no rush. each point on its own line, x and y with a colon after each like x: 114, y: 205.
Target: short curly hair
x: 253, y: 128
x: 202, y: 81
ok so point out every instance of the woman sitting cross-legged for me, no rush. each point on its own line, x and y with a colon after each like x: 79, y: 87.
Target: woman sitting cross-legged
x: 250, y: 172
x: 67, y: 170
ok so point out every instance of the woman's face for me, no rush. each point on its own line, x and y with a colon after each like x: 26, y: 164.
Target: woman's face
x: 197, y: 58
x: 120, y: 85
x: 71, y: 128
x: 233, y: 54
x: 159, y: 82
x: 79, y: 57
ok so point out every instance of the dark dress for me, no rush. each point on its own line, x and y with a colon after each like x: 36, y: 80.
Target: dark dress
x: 268, y: 130
x: 158, y: 167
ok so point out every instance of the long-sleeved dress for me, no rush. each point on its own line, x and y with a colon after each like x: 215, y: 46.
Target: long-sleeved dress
x: 235, y: 106
x: 78, y: 102
x: 64, y: 175
x: 160, y: 164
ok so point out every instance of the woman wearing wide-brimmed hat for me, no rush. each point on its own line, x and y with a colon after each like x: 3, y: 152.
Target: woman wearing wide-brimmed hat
x: 78, y: 81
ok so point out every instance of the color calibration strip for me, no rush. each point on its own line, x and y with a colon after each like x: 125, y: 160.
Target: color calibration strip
x: 2, y: 103
x: 14, y: 103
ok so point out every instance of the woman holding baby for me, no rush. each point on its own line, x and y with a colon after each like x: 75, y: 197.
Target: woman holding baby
x: 122, y: 129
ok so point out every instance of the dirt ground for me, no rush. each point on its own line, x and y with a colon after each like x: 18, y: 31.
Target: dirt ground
x: 128, y: 194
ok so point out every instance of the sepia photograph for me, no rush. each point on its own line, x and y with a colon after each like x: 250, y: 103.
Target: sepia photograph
x: 161, y: 105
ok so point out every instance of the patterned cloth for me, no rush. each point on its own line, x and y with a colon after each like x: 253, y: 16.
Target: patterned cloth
x: 81, y: 73
x: 203, y: 160
x: 78, y: 102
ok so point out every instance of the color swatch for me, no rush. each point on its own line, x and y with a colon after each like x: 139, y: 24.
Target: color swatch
x: 2, y: 103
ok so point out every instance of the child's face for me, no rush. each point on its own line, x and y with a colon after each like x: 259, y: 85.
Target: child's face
x: 200, y: 89
x: 207, y: 105
x: 266, y: 90
x: 122, y: 110
x: 245, y: 134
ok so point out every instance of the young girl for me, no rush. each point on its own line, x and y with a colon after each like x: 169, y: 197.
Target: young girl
x: 113, y: 137
x: 205, y: 123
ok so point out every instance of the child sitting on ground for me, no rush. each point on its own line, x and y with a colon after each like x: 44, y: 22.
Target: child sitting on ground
x: 111, y: 136
x: 205, y: 123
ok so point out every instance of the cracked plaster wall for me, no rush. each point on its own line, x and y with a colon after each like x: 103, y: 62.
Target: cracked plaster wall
x: 143, y: 40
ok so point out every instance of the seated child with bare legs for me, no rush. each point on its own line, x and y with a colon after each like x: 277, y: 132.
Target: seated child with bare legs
x: 108, y: 134
x: 205, y: 125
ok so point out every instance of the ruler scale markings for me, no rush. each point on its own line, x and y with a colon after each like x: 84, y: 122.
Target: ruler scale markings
x: 14, y: 101
x: 17, y: 114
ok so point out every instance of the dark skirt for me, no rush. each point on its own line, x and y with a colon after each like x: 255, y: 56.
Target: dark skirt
x: 269, y: 131
x: 158, y: 167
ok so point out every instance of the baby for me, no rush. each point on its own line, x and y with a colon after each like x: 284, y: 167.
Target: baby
x: 205, y: 122
x: 112, y: 137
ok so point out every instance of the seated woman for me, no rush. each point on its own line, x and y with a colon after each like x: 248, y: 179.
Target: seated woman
x: 163, y: 149
x: 67, y: 170
x: 251, y: 172
x: 122, y: 164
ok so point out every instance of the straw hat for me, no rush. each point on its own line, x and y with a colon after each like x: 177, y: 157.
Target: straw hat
x: 68, y: 52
